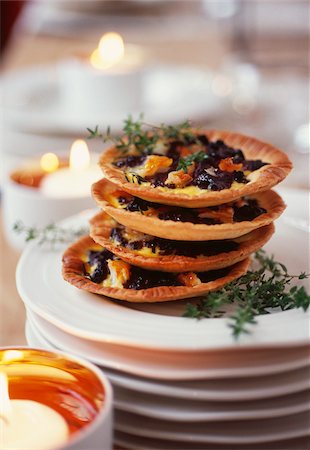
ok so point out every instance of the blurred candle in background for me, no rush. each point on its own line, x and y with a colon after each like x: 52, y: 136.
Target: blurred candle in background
x: 109, y: 79
x: 75, y: 180
x: 49, y: 189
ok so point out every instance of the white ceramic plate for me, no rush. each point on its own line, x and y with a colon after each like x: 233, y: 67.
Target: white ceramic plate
x: 238, y: 389
x: 143, y: 443
x: 175, y: 365
x: 236, y: 432
x: 153, y: 433
x: 98, y: 318
x: 32, y: 100
x: 179, y: 410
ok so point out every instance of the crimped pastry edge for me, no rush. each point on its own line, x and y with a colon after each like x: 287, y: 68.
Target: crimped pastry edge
x: 100, y: 229
x: 73, y: 272
x: 187, y: 231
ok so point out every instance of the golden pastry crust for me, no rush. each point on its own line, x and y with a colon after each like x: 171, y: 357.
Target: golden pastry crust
x: 186, y: 231
x: 100, y: 230
x: 73, y: 272
x: 260, y: 180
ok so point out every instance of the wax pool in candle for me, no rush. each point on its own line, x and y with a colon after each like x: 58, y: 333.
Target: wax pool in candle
x: 28, y: 424
x: 76, y: 180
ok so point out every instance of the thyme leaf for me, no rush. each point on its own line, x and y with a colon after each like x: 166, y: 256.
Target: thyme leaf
x: 51, y: 233
x: 184, y: 163
x: 257, y: 292
x: 143, y: 137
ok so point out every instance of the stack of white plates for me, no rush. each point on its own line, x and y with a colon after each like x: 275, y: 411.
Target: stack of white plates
x: 181, y: 383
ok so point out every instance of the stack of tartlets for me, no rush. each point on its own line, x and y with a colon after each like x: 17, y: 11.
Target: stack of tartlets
x: 180, y: 216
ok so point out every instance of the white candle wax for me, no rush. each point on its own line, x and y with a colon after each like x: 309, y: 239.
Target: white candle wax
x: 85, y: 89
x: 32, y: 425
x: 27, y: 424
x: 68, y: 183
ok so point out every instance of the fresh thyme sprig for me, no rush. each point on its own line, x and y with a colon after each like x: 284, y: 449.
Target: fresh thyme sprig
x: 257, y: 292
x: 144, y: 137
x: 184, y: 163
x: 51, y: 233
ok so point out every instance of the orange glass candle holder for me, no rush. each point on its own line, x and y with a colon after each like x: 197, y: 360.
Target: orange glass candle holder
x: 75, y: 389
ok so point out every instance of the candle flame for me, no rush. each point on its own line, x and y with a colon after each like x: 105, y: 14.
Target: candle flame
x: 110, y: 51
x: 79, y: 156
x: 5, y: 403
x: 49, y: 162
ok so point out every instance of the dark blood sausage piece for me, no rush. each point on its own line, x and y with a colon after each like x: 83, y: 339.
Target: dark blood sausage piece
x: 217, y: 182
x: 99, y: 274
x: 211, y: 275
x: 144, y: 279
x: 253, y: 165
x: 185, y: 215
x: 248, y: 212
x: 130, y: 161
x: 100, y: 259
x: 170, y: 247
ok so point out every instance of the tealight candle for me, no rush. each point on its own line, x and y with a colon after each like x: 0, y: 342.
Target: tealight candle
x: 26, y: 424
x: 41, y: 194
x: 110, y: 79
x: 75, y: 180
x: 56, y: 402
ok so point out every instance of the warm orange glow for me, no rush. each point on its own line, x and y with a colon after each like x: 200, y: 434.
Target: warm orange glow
x: 79, y: 156
x: 110, y: 51
x: 11, y: 355
x: 49, y: 162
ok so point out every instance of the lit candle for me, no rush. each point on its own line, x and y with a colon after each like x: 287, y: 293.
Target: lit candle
x: 110, y: 79
x: 27, y: 424
x: 75, y: 180
x: 48, y: 190
x: 33, y: 172
x: 52, y: 401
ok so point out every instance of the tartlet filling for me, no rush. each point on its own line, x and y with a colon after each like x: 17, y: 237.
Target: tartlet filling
x: 199, y: 162
x: 245, y: 209
x: 145, y: 244
x: 102, y: 267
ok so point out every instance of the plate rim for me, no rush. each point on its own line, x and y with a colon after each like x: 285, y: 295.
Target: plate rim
x: 29, y: 330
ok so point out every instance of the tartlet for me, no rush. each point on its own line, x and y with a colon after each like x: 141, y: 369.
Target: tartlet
x: 262, y: 167
x: 174, y: 256
x: 145, y: 217
x: 123, y: 281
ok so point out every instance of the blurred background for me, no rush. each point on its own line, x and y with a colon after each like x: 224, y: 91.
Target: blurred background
x: 227, y: 64
x: 230, y: 64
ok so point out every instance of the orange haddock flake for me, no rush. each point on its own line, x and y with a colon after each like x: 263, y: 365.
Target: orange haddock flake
x: 189, y: 279
x: 227, y: 165
x: 156, y: 164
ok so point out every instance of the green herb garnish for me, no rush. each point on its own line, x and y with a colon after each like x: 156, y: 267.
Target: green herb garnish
x: 51, y: 233
x: 184, y: 163
x: 143, y: 137
x: 255, y: 293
